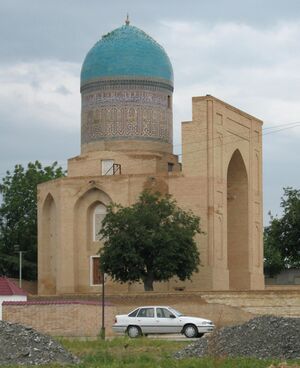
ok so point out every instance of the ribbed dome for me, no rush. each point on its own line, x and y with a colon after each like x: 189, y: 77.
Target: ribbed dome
x: 126, y: 51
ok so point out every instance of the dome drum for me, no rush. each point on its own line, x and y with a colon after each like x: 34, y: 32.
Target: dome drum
x: 148, y: 83
x: 127, y: 112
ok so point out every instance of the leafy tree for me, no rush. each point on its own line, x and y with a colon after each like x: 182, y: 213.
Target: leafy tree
x: 18, y: 216
x: 282, y: 236
x: 273, y: 262
x: 153, y: 240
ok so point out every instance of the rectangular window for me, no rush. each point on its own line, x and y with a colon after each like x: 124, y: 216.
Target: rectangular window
x: 170, y: 166
x: 96, y: 276
x: 107, y: 167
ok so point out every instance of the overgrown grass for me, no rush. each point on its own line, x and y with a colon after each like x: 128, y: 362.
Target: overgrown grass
x: 146, y: 353
x: 151, y: 353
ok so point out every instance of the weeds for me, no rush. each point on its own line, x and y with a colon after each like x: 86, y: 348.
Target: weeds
x: 152, y: 353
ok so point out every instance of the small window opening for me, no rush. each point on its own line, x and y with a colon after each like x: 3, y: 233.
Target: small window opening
x: 107, y: 167
x: 169, y: 102
x: 170, y: 166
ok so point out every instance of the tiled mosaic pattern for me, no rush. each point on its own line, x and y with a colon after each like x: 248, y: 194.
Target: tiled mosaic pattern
x: 127, y: 113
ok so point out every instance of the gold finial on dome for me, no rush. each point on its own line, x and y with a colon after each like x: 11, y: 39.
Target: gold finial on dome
x: 127, y: 21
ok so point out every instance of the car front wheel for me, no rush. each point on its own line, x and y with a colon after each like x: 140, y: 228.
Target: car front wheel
x: 190, y: 331
x: 134, y: 332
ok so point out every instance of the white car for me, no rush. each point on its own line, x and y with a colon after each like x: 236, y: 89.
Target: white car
x: 160, y: 320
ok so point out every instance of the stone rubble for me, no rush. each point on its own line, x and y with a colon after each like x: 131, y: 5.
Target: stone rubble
x: 262, y: 337
x: 24, y: 346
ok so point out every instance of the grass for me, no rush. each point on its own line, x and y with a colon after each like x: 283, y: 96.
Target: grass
x: 146, y: 353
x: 151, y: 353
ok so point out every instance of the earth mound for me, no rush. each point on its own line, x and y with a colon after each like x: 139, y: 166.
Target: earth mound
x: 24, y: 346
x: 262, y: 337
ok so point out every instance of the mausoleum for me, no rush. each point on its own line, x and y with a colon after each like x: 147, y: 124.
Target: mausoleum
x: 127, y: 146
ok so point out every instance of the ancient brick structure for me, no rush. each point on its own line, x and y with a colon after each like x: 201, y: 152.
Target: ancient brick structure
x: 126, y: 146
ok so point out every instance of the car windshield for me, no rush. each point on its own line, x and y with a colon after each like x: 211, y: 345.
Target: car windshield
x: 178, y: 314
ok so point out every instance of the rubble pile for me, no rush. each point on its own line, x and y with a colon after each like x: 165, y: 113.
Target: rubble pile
x: 23, y: 345
x: 262, y: 337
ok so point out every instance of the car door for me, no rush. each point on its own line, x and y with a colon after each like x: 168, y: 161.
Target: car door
x: 145, y: 319
x: 166, y: 321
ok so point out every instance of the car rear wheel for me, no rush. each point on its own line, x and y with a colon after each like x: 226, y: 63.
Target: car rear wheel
x: 134, y: 332
x: 190, y: 331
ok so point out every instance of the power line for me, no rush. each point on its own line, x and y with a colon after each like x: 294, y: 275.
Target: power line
x: 238, y: 140
x: 281, y: 125
x: 291, y: 125
x: 271, y: 130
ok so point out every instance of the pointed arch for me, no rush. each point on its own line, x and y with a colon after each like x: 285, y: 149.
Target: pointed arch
x: 85, y: 243
x: 47, y: 245
x: 237, y: 222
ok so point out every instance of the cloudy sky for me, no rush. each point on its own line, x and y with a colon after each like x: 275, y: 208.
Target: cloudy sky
x: 244, y: 52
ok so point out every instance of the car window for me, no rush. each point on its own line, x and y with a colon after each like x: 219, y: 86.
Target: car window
x: 178, y: 314
x: 134, y: 313
x: 146, y: 312
x: 163, y: 313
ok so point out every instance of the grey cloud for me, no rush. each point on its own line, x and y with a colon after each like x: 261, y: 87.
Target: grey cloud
x: 66, y: 29
x: 63, y: 90
x: 281, y: 160
x: 257, y: 74
x: 28, y: 142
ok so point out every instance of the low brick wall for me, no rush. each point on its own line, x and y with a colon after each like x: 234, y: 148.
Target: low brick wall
x: 82, y: 318
x: 61, y: 318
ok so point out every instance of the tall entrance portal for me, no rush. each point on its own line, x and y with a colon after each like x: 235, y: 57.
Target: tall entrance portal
x: 222, y: 154
x: 237, y: 222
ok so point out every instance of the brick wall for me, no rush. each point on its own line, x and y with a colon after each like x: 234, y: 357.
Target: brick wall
x: 82, y: 318
x: 61, y: 318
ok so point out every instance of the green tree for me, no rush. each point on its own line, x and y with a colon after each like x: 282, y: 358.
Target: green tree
x: 18, y: 216
x: 273, y: 258
x: 153, y: 240
x: 282, y: 236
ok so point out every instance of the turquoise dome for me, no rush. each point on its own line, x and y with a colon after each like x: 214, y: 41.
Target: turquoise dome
x: 126, y: 51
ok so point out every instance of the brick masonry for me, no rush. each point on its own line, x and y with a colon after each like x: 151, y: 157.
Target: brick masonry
x: 60, y: 318
x: 82, y: 318
x: 220, y: 181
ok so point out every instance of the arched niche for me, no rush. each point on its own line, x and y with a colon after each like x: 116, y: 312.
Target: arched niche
x: 48, y: 246
x: 237, y: 222
x: 91, y: 202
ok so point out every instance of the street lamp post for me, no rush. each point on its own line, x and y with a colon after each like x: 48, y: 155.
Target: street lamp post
x: 17, y: 250
x: 20, y: 269
x: 102, y: 332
